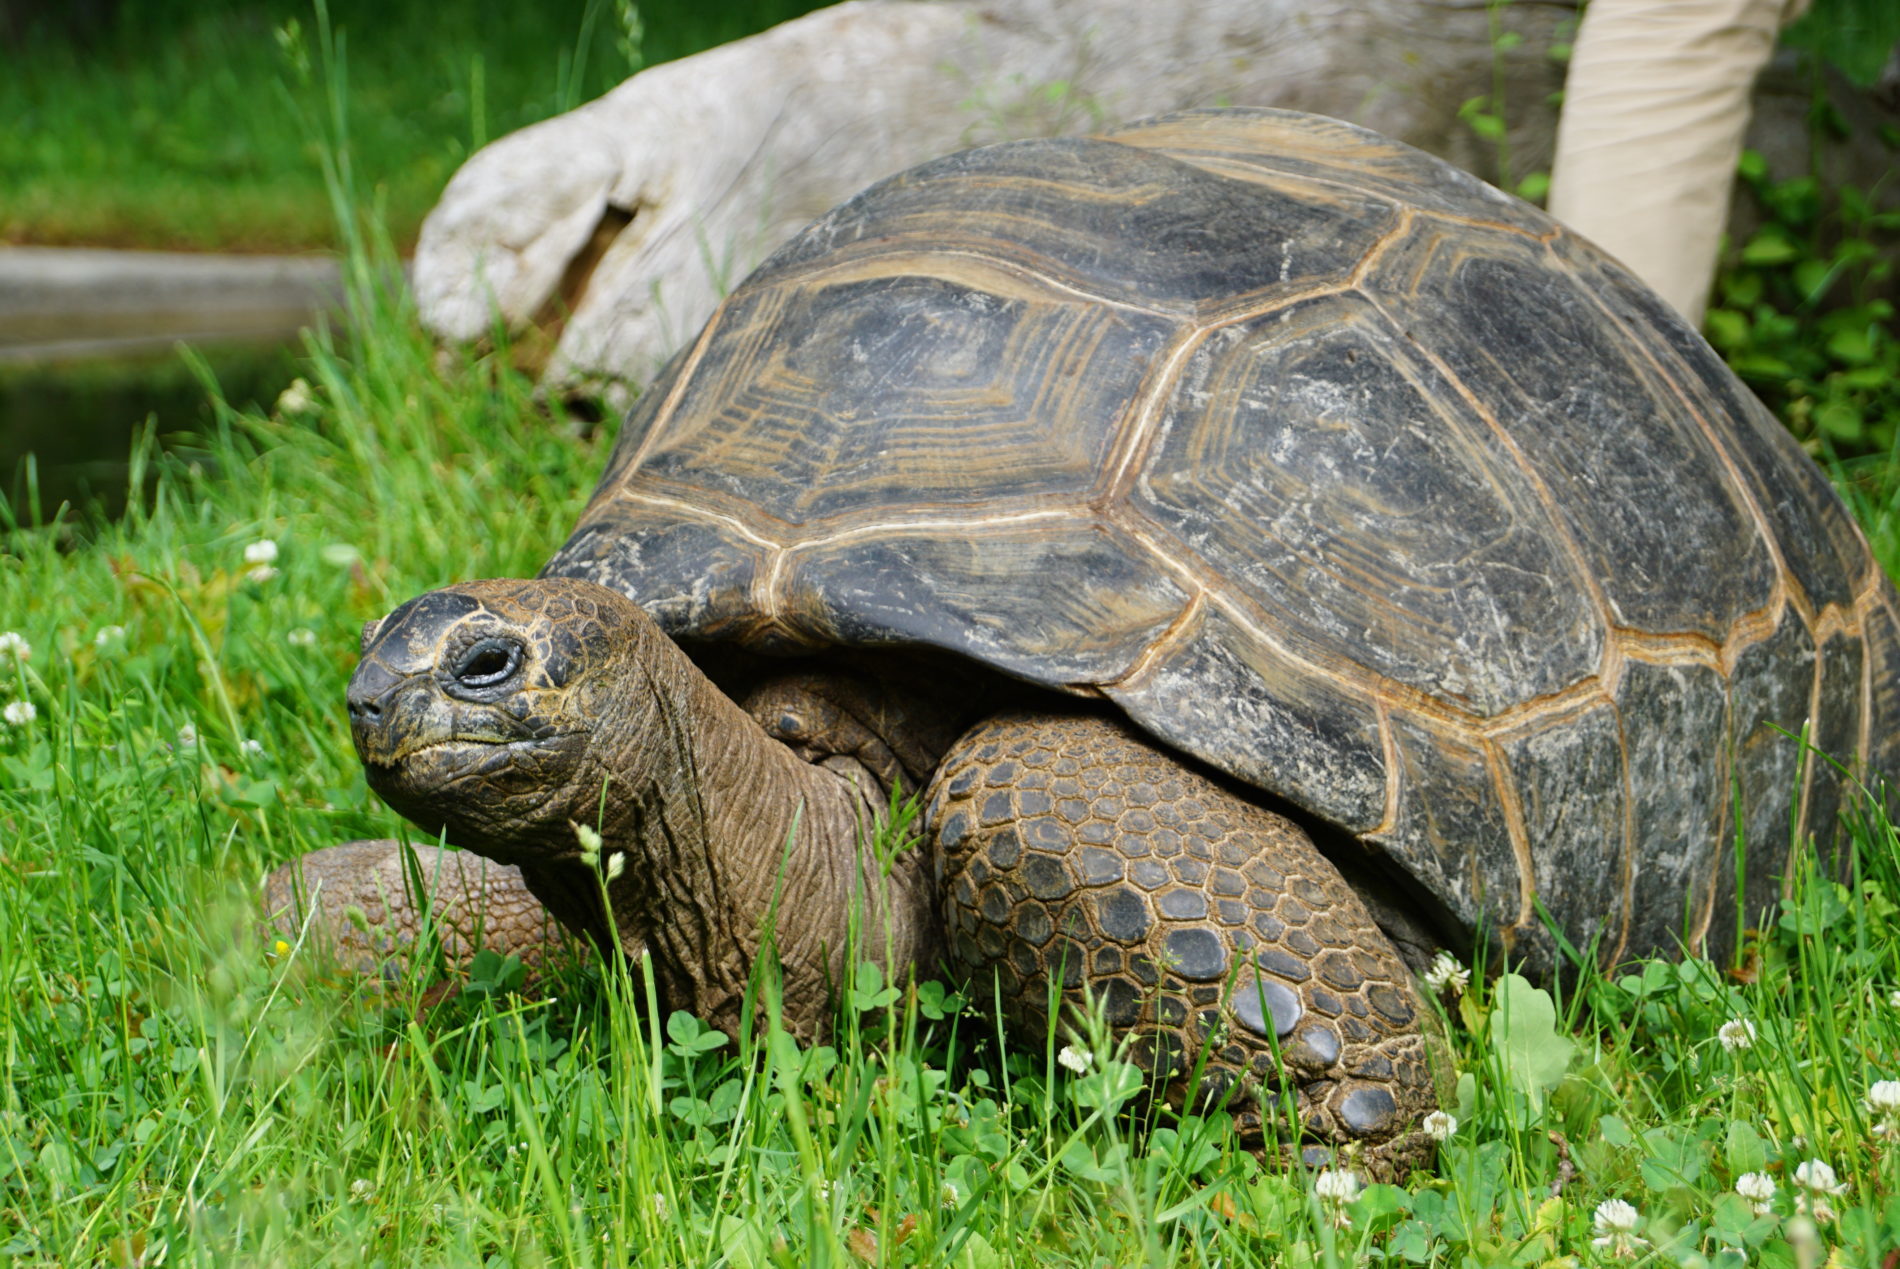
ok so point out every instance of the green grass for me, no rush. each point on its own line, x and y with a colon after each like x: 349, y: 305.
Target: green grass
x: 183, y: 124
x: 176, y: 1086
x: 172, y: 1084
x: 180, y: 1090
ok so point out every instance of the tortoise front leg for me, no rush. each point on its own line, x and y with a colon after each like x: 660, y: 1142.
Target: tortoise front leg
x: 360, y: 903
x: 1075, y: 850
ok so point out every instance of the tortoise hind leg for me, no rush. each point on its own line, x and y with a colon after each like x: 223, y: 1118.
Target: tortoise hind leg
x: 1201, y: 923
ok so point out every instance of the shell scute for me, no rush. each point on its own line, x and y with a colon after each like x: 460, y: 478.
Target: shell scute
x: 1099, y: 604
x: 1324, y: 158
x: 1634, y: 484
x: 822, y: 400
x: 1111, y: 221
x: 1771, y: 689
x: 1675, y: 729
x: 1336, y: 482
x: 1265, y: 719
x: 1570, y: 788
x: 1447, y: 798
x: 1835, y: 730
x: 1880, y: 629
x: 691, y: 574
x: 1823, y: 548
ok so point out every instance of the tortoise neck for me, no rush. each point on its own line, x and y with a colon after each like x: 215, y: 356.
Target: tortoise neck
x: 731, y: 839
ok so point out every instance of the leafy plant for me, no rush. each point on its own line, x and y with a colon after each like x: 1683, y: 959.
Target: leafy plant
x: 1486, y: 113
x: 1802, y: 312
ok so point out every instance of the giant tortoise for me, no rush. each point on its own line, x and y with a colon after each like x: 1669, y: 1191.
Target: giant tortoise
x: 1271, y: 553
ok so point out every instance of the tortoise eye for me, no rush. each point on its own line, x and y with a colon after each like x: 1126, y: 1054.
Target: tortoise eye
x: 488, y: 662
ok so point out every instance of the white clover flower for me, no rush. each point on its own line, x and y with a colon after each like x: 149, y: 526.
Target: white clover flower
x: 262, y: 551
x: 1883, y: 1103
x: 1075, y: 1059
x: 301, y: 637
x: 949, y: 1196
x: 361, y: 1190
x: 660, y: 1208
x: 19, y: 713
x: 1445, y: 973
x: 1818, y: 1179
x: 261, y: 574
x: 187, y: 737
x: 1341, y: 1186
x: 616, y: 864
x: 1439, y: 1125
x: 1893, y: 998
x: 252, y: 748
x: 295, y: 399
x: 107, y: 636
x: 1615, y: 1214
x: 1616, y: 1223
x: 1335, y: 1189
x: 1758, y: 1188
x: 12, y: 641
x: 1737, y: 1033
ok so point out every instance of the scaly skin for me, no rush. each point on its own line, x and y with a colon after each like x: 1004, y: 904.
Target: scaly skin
x: 1077, y: 850
x: 359, y: 898
x: 504, y: 714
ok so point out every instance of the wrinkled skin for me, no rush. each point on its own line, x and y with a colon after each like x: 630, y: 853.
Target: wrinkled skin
x: 504, y: 715
x: 364, y: 902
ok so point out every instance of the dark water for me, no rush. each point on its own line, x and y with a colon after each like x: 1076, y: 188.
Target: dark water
x: 78, y: 418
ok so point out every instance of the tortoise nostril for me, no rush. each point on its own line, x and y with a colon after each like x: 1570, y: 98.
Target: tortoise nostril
x: 366, y: 711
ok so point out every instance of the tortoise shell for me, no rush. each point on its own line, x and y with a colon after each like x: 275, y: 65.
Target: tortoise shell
x: 1329, y: 464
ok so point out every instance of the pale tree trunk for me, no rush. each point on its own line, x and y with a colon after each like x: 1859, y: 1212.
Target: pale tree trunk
x: 624, y: 220
x: 614, y: 229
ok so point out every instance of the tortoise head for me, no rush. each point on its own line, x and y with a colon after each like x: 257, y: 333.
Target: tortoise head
x: 479, y: 709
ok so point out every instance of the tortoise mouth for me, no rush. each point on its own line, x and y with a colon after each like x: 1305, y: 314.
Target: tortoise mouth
x: 496, y: 795
x: 472, y: 770
x: 439, y: 761
x: 448, y: 745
